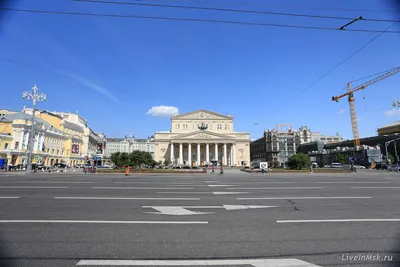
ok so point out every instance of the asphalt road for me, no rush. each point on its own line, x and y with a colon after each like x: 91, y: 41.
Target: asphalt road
x: 238, y: 219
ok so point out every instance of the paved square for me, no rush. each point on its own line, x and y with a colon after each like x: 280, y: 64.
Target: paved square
x: 237, y: 219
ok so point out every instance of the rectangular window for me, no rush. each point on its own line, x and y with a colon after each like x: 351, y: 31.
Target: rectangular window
x: 5, y: 145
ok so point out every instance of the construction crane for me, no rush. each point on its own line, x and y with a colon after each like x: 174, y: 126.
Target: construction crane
x: 350, y: 94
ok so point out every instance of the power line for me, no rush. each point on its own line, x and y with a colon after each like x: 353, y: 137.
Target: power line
x: 334, y: 68
x: 193, y: 20
x: 231, y: 10
x: 277, y: 6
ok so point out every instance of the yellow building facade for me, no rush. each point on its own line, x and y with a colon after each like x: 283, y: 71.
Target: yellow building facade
x: 55, y: 141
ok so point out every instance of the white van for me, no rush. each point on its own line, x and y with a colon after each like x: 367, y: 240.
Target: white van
x: 336, y: 165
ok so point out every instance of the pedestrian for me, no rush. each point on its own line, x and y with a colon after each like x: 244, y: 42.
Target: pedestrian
x: 212, y: 169
x: 127, y: 171
x: 221, y: 170
x: 262, y: 170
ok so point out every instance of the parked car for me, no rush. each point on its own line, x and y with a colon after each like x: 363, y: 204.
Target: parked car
x: 336, y: 165
x: 359, y: 167
x: 60, y: 166
x: 394, y: 168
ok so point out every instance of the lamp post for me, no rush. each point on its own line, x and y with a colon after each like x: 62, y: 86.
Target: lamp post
x: 35, y: 97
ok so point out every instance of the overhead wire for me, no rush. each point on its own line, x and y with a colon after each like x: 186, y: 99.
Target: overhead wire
x: 230, y: 10
x: 233, y: 22
x: 246, y: 3
x: 334, y: 68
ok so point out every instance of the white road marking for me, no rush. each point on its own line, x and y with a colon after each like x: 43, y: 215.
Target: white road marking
x: 128, y: 198
x: 252, y: 262
x: 229, y: 193
x: 7, y: 197
x: 52, y: 182
x: 186, y: 185
x: 104, y: 222
x: 33, y: 187
x: 145, y: 188
x: 201, y: 193
x: 353, y: 182
x: 149, y: 183
x: 386, y: 187
x: 339, y: 220
x: 173, y: 210
x: 274, y: 188
x: 220, y: 185
x: 226, y: 207
x: 211, y: 181
x: 273, y: 198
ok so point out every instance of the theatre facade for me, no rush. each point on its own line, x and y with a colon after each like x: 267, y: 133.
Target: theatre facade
x: 202, y: 137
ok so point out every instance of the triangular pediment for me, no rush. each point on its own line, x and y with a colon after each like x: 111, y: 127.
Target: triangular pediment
x: 206, y: 135
x: 201, y: 115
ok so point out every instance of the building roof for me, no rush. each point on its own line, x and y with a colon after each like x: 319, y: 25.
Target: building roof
x: 24, y: 116
x: 204, y: 111
x: 72, y: 126
x: 114, y: 139
x: 396, y: 123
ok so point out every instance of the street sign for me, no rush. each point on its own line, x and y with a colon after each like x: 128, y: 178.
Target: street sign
x: 264, y: 165
x: 37, y: 158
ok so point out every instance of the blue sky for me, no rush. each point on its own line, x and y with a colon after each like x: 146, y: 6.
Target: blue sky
x: 114, y: 70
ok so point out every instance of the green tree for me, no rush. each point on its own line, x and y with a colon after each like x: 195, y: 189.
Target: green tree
x: 298, y: 161
x: 167, y: 162
x: 116, y: 159
x: 140, y: 158
x: 391, y: 158
x: 124, y: 159
x: 341, y: 158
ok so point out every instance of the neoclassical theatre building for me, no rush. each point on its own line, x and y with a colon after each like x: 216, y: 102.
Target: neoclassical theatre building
x: 201, y: 137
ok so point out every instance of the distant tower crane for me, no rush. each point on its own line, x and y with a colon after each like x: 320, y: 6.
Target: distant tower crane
x: 350, y: 92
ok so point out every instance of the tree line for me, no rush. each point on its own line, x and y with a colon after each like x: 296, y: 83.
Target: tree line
x: 136, y: 159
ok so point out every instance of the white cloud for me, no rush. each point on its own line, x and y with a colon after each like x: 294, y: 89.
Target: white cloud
x: 392, y: 112
x: 163, y: 111
x: 340, y: 112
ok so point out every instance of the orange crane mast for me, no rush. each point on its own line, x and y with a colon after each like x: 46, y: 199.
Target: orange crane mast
x: 350, y: 99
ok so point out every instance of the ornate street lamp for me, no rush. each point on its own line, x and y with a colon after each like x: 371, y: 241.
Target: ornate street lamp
x: 35, y: 97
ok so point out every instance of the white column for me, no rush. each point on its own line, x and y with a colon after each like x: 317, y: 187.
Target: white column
x: 190, y: 154
x: 198, y: 154
x: 207, y: 153
x: 225, y: 159
x: 21, y: 143
x: 26, y: 141
x: 180, y: 153
x: 231, y: 156
x: 35, y: 144
x: 41, y: 142
x: 171, y: 156
x: 234, y: 154
x: 216, y: 152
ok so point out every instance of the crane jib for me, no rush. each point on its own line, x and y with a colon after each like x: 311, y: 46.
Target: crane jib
x: 350, y: 95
